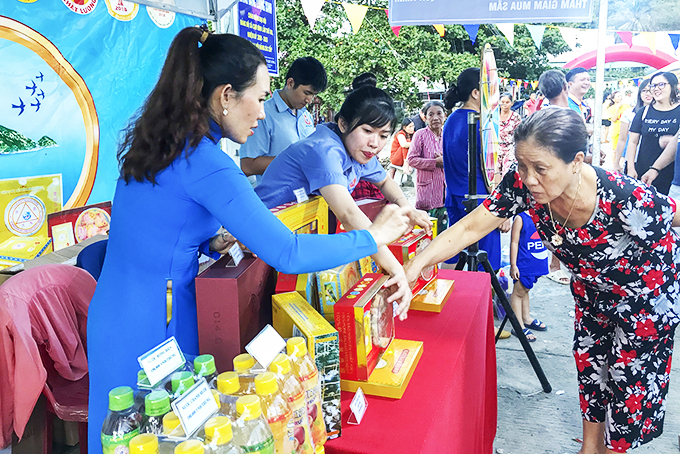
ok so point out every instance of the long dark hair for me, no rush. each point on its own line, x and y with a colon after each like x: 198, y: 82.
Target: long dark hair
x: 368, y: 105
x: 640, y: 103
x: 404, y: 123
x: 467, y: 82
x: 559, y: 130
x: 176, y: 112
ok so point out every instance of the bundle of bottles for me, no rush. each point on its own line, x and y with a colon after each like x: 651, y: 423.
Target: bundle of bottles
x: 274, y: 411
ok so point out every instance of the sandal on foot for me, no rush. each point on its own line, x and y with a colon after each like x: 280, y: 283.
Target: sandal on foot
x: 559, y: 276
x: 537, y: 325
x: 504, y: 334
x: 527, y: 332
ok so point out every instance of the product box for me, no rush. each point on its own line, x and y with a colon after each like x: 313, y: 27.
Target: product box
x: 69, y: 227
x: 20, y: 249
x: 435, y: 227
x: 367, y: 265
x: 292, y: 316
x: 433, y: 296
x: 406, y: 247
x: 365, y: 322
x: 233, y: 305
x: 392, y: 373
x: 370, y: 207
x: 334, y: 283
x: 306, y: 217
x: 304, y: 284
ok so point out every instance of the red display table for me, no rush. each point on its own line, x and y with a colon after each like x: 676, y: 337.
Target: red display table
x: 450, y: 403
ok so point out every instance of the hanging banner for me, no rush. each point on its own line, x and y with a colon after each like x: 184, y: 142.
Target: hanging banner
x: 417, y: 12
x: 257, y: 24
x: 312, y: 9
x: 355, y: 14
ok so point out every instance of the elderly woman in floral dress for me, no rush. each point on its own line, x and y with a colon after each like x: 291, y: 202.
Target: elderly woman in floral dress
x: 615, y: 236
x: 509, y: 119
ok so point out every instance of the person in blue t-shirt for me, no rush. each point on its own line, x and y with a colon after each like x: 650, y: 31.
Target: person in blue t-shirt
x: 287, y: 119
x: 528, y: 262
x: 333, y: 160
x: 466, y: 91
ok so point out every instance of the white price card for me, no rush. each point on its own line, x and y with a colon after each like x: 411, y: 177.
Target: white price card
x: 357, y: 407
x: 236, y: 253
x: 161, y: 361
x: 300, y: 195
x: 195, y: 407
x: 265, y: 346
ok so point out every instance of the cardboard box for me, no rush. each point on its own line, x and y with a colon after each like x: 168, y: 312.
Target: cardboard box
x: 233, y: 305
x: 69, y: 227
x: 16, y: 250
x: 365, y: 322
x: 433, y: 296
x: 304, y: 284
x: 306, y: 217
x: 293, y: 316
x: 367, y: 265
x: 393, y: 373
x: 406, y: 247
x: 370, y: 207
x: 333, y: 284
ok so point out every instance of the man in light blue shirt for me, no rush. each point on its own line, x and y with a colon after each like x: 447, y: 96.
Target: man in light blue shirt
x: 287, y: 119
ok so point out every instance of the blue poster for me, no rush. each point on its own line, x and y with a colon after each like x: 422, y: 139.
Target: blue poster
x: 74, y: 73
x: 427, y: 12
x: 257, y: 24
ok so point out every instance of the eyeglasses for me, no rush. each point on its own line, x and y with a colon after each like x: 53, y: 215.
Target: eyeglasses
x: 646, y: 90
x: 660, y: 85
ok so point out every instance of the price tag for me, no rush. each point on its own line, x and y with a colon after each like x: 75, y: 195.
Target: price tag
x: 236, y: 253
x: 265, y: 346
x: 195, y: 407
x: 358, y: 407
x: 300, y: 195
x: 161, y: 361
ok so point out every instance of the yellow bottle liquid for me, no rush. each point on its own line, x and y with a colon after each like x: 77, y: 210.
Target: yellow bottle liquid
x: 242, y: 365
x: 190, y: 447
x: 295, y: 395
x: 305, y: 370
x: 276, y: 412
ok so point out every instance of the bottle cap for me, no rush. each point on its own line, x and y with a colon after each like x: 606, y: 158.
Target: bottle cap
x: 190, y: 447
x: 228, y: 383
x: 249, y: 407
x: 296, y: 347
x: 243, y: 362
x: 204, y: 365
x: 280, y: 365
x: 157, y: 403
x: 121, y: 398
x: 182, y: 381
x: 144, y: 444
x: 218, y: 430
x: 266, y: 384
x: 171, y: 424
x: 216, y: 396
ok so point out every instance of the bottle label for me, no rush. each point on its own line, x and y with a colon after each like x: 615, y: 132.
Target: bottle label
x: 116, y: 444
x: 302, y: 437
x: 266, y: 447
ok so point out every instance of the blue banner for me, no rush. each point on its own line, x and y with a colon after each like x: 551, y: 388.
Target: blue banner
x: 257, y: 24
x: 426, y: 12
x: 73, y: 74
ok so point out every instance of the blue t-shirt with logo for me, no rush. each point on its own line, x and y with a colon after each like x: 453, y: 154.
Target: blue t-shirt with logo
x: 312, y: 163
x: 532, y: 256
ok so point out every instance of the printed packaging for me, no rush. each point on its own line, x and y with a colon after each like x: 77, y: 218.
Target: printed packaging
x: 306, y: 217
x: 333, y: 284
x: 406, y: 247
x: 433, y: 296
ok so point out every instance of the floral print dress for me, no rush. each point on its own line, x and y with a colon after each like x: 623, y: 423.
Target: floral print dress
x: 506, y: 152
x: 624, y: 281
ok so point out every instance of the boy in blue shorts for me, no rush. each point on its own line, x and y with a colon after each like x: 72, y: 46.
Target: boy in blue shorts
x: 528, y: 262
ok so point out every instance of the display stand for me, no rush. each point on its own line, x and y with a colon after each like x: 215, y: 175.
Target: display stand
x: 472, y: 257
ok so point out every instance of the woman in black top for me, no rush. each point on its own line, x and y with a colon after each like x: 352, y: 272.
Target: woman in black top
x: 653, y: 128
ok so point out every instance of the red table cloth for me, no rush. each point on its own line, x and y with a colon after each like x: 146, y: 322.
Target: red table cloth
x: 450, y: 403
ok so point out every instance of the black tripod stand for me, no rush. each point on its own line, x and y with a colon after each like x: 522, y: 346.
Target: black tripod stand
x: 473, y: 257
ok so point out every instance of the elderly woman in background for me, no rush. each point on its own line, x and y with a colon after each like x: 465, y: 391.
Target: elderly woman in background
x: 615, y: 235
x: 509, y: 119
x: 426, y: 156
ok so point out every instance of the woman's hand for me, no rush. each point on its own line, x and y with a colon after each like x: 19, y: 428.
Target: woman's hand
x: 514, y: 272
x: 421, y: 219
x: 402, y: 295
x: 412, y: 271
x: 222, y: 242
x: 439, y: 160
x: 390, y: 225
x: 664, y: 141
x: 631, y: 171
x: 649, y: 176
x: 505, y: 226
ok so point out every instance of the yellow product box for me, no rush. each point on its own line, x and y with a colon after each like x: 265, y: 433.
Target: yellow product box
x: 306, y: 217
x: 304, y: 284
x: 367, y: 266
x: 435, y: 226
x: 292, y: 317
x: 333, y: 284
x: 19, y: 249
x: 433, y: 296
x: 392, y: 374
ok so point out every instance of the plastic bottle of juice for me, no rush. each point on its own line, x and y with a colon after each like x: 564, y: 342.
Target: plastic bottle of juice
x: 256, y: 437
x: 190, y: 447
x: 144, y: 444
x: 242, y: 365
x: 171, y: 425
x: 156, y: 405
x: 295, y: 395
x: 204, y: 366
x: 181, y: 382
x: 305, y: 370
x: 229, y: 385
x: 276, y: 411
x: 144, y: 388
x: 219, y: 436
x: 122, y: 421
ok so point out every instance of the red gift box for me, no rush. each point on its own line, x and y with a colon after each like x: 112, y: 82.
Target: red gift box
x: 406, y: 247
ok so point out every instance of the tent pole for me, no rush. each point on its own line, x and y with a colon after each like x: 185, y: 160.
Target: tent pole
x: 599, y: 82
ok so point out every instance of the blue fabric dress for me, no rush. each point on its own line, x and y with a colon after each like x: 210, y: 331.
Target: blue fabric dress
x: 156, y: 232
